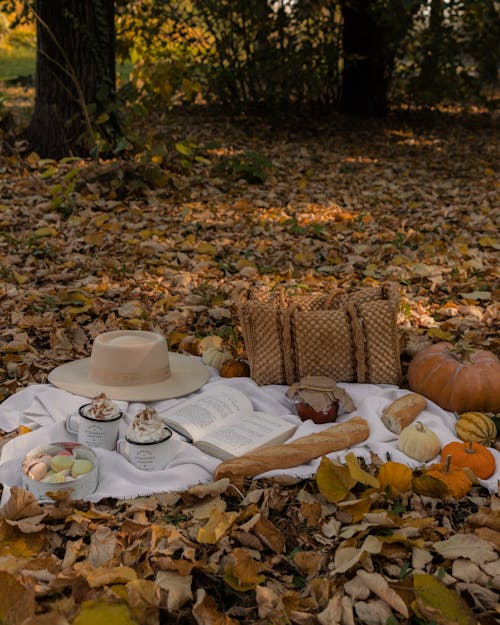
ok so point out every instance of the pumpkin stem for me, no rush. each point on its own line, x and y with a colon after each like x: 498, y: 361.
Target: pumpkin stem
x: 419, y: 426
x: 462, y: 352
x: 470, y: 449
x: 447, y: 463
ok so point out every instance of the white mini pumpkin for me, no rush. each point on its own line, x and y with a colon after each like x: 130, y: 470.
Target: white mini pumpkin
x: 215, y: 357
x: 419, y: 442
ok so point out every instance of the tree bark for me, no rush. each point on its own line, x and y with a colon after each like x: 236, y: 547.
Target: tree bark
x: 75, y: 67
x: 364, y: 77
x: 370, y: 39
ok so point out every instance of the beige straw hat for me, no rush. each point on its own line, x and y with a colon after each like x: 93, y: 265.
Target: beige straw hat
x: 131, y: 365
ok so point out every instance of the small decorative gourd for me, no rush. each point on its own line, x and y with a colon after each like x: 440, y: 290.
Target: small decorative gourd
x: 477, y: 457
x: 476, y: 427
x: 215, y: 357
x: 419, y: 442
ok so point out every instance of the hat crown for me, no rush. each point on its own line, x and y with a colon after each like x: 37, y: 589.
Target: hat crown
x: 131, y: 365
x: 129, y: 358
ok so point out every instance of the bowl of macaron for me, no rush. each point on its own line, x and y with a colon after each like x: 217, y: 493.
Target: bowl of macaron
x: 60, y: 467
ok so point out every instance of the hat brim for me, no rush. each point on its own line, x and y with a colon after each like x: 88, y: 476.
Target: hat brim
x: 187, y: 374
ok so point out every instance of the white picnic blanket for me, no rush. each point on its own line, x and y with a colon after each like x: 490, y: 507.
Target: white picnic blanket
x: 45, y: 408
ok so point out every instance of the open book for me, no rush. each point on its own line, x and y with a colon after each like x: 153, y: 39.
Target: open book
x: 223, y: 423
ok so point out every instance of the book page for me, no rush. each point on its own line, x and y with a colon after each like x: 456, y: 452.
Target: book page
x: 255, y: 431
x: 196, y: 416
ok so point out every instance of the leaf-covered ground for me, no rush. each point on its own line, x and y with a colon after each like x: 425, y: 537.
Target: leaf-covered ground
x: 168, y: 241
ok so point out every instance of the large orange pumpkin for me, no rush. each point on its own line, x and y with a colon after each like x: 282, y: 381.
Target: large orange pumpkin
x: 457, y: 380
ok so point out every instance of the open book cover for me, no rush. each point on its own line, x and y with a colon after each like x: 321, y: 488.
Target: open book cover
x: 223, y: 423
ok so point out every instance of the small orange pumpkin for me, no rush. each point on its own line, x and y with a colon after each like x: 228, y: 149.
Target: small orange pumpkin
x: 455, y: 478
x: 395, y: 476
x: 235, y: 368
x: 456, y: 380
x: 476, y: 457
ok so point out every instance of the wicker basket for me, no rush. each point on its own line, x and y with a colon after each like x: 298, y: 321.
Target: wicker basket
x: 351, y: 337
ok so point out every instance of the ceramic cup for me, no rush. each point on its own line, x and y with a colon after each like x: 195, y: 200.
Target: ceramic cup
x: 94, y: 432
x: 151, y: 456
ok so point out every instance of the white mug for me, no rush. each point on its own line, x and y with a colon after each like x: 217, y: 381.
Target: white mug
x: 152, y: 456
x: 94, y: 432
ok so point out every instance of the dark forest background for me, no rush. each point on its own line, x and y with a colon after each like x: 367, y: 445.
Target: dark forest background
x: 358, y: 57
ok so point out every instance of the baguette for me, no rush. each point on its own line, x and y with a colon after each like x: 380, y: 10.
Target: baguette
x: 300, y: 451
x: 403, y: 411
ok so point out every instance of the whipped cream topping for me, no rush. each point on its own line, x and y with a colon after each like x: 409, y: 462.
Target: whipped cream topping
x: 101, y: 408
x: 147, y: 427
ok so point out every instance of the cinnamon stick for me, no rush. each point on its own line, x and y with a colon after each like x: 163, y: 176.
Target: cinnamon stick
x: 300, y: 451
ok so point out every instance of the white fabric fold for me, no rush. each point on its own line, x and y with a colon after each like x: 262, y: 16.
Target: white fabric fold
x: 45, y: 408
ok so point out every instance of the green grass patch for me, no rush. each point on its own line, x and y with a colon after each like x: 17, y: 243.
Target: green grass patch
x: 20, y: 62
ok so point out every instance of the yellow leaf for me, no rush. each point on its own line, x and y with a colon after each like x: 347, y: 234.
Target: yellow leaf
x: 188, y: 243
x: 100, y: 219
x: 243, y: 572
x: 217, y: 526
x: 76, y: 298
x: 399, y: 260
x: 32, y: 158
x: 20, y: 279
x: 45, y: 232
x: 303, y: 259
x: 94, y: 238
x: 334, y: 480
x: 103, y: 613
x: 48, y: 173
x: 17, y: 602
x: 23, y: 546
x: 435, y: 602
x: 358, y: 474
x: 206, y: 248
x: 175, y: 338
x: 441, y: 335
x: 103, y: 576
x: 488, y: 242
x: 73, y: 311
x: 357, y: 508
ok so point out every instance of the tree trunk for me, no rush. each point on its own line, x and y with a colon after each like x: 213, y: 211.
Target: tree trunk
x: 370, y: 39
x: 432, y: 60
x: 75, y: 67
x: 364, y: 80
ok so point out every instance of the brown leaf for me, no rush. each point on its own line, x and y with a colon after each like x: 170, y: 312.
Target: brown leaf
x: 270, y: 535
x: 177, y: 586
x: 378, y: 585
x: 309, y: 563
x: 103, y: 543
x: 21, y: 505
x: 205, y: 611
x: 103, y: 576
